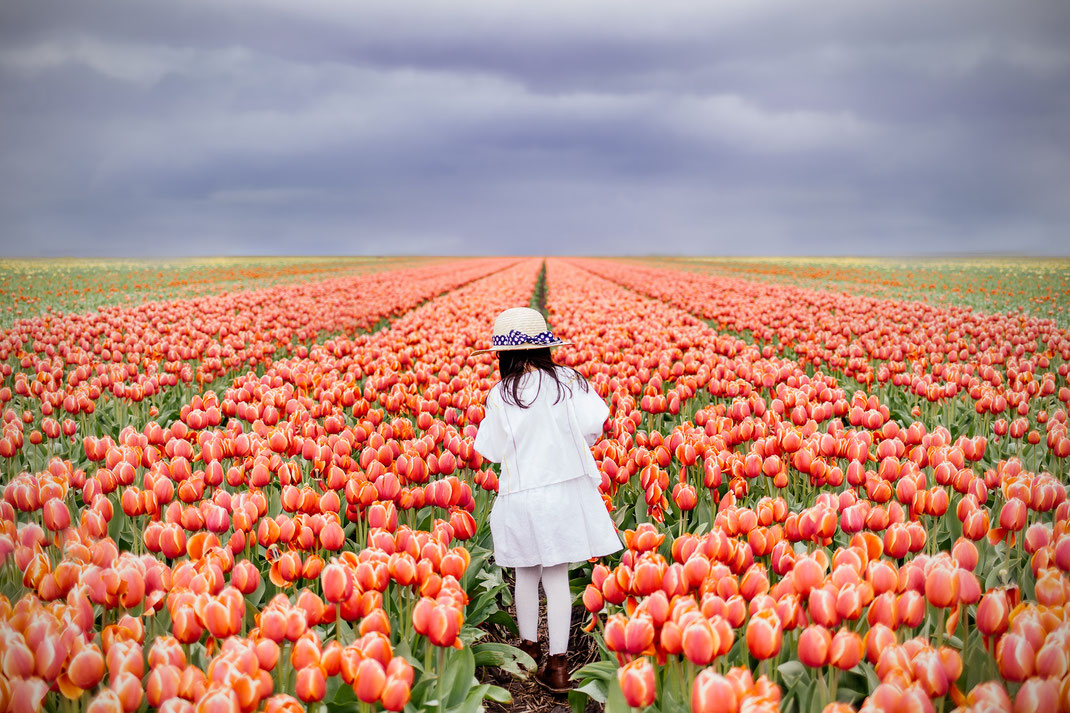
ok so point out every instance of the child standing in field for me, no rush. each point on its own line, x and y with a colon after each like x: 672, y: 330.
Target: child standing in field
x: 540, y: 422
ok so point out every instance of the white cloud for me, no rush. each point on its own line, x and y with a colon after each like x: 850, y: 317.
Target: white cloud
x: 733, y: 120
x: 137, y: 63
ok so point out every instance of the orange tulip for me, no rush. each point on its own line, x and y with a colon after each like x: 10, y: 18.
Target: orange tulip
x: 929, y: 671
x: 1037, y: 694
x: 370, y: 681
x: 311, y: 684
x: 28, y: 695
x: 1016, y: 657
x: 1053, y: 658
x: 941, y: 587
x: 1012, y: 515
x: 713, y: 693
x: 55, y: 515
x: 1051, y: 587
x: 878, y: 638
x: 185, y: 625
x: 990, y: 695
x: 336, y: 582
x: 396, y: 693
x: 86, y: 667
x: 637, y: 682
x: 993, y: 613
x: 845, y: 650
x: 218, y: 699
x: 444, y: 625
x: 822, y: 607
x: 245, y: 577
x: 911, y: 606
x: 699, y: 642
x: 815, y: 643
x: 127, y: 687
x: 107, y: 701
x: 162, y: 684
x: 638, y: 633
x: 305, y: 652
x: 764, y: 634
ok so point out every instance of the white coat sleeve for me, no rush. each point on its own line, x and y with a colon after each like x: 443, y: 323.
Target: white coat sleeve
x: 591, y: 412
x: 491, y: 436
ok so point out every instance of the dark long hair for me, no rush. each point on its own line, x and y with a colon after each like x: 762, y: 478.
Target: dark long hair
x: 514, y: 364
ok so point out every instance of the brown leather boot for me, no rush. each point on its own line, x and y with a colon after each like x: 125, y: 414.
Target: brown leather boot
x: 555, y: 674
x: 532, y: 649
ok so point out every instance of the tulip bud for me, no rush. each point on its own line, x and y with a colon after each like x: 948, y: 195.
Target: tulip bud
x: 713, y: 693
x: 1016, y: 657
x: 764, y: 634
x: 814, y: 644
x: 637, y: 682
x: 993, y: 613
x: 699, y: 642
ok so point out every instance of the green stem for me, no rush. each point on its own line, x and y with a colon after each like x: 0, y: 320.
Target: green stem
x: 441, y: 668
x: 940, y: 627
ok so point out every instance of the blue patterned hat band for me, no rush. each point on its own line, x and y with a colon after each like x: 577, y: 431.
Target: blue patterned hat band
x: 515, y: 337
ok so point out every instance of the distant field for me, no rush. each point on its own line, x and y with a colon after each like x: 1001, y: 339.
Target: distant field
x: 28, y: 287
x: 1039, y: 286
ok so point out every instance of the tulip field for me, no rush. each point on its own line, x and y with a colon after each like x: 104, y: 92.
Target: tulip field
x: 257, y: 491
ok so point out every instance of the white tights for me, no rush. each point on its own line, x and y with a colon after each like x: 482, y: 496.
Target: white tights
x: 558, y: 604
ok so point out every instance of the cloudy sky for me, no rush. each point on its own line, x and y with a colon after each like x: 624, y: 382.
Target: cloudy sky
x: 558, y: 126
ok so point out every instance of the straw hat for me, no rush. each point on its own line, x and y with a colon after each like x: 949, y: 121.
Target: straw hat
x: 521, y: 328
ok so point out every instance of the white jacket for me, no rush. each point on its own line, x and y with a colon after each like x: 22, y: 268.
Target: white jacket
x: 547, y: 442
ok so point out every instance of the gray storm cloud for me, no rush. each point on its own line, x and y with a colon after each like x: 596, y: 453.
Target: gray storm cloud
x: 559, y: 127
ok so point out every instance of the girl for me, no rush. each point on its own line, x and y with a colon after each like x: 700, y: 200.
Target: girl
x: 540, y: 422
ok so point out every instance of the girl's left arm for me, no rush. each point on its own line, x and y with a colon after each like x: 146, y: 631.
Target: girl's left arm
x: 591, y: 412
x: 491, y: 436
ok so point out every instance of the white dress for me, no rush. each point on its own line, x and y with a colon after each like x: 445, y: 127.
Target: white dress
x: 548, y: 510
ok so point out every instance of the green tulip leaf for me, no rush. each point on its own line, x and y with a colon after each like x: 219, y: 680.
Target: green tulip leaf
x: 503, y: 656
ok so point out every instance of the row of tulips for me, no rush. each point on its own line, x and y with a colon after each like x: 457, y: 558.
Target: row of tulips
x: 31, y: 287
x: 1010, y: 368
x: 280, y: 543
x: 56, y: 367
x: 842, y: 559
x: 1037, y: 287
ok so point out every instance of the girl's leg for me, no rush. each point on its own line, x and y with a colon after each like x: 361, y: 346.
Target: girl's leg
x: 558, y: 606
x: 526, y: 596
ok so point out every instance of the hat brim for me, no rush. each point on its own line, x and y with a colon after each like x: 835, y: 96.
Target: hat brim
x: 518, y: 347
